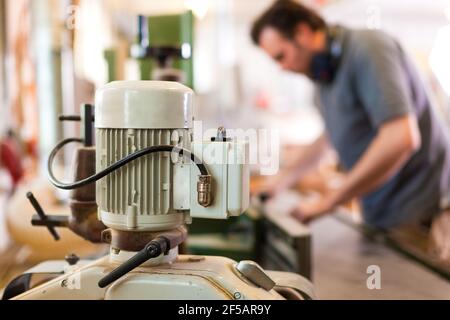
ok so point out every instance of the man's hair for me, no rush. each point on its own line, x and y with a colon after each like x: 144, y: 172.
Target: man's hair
x: 284, y: 16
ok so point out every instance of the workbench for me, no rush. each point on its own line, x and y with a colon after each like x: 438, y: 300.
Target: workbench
x: 342, y: 254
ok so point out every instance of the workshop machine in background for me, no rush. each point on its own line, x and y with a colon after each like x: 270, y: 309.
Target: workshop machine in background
x: 285, y: 243
x: 287, y: 246
x: 163, y: 49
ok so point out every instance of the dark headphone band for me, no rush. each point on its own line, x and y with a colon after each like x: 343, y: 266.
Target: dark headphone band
x: 334, y: 42
x: 325, y: 65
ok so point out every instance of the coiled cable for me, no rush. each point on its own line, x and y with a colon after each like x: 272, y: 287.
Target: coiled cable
x: 120, y: 163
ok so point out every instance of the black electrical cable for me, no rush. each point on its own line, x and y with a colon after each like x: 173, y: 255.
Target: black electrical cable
x: 116, y: 165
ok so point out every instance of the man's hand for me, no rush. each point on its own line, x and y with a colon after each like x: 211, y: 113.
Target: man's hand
x: 313, y: 208
x: 304, y: 161
x: 268, y: 187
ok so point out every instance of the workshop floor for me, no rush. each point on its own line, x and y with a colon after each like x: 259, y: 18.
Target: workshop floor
x: 342, y: 254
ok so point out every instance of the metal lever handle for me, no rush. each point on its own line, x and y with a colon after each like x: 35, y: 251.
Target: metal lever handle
x: 42, y: 215
x: 86, y: 118
x: 65, y: 117
x: 53, y: 220
x: 152, y: 250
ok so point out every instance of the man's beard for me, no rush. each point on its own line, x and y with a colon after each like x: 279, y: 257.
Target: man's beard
x: 307, y: 56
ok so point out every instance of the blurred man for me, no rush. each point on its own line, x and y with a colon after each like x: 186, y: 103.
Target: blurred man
x: 378, y: 118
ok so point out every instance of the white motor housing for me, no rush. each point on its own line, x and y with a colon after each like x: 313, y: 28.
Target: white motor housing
x: 159, y: 191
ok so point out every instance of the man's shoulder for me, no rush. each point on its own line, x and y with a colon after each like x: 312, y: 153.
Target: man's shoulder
x: 362, y: 41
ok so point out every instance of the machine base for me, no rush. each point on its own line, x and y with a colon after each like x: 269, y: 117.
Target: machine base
x: 187, y: 278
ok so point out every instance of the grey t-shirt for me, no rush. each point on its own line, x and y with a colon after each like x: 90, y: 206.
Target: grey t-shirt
x: 376, y: 82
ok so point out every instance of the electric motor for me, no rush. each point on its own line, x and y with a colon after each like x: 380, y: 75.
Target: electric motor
x: 130, y: 116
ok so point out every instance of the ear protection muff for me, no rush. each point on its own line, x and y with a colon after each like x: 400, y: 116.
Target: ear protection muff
x: 324, y: 65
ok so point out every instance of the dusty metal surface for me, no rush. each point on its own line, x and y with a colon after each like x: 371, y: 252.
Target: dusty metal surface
x: 342, y: 254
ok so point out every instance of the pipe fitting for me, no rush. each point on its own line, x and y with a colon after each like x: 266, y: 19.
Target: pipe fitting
x: 204, y: 190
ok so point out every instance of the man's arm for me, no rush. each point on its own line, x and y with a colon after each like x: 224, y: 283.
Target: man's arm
x: 381, y: 84
x: 396, y: 141
x: 392, y: 147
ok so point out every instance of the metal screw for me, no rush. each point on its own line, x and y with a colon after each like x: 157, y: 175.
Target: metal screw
x: 237, y: 295
x: 64, y: 283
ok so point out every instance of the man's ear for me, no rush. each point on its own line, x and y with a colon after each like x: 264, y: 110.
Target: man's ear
x: 303, y: 34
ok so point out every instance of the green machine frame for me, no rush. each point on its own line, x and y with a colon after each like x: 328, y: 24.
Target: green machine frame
x: 171, y: 31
